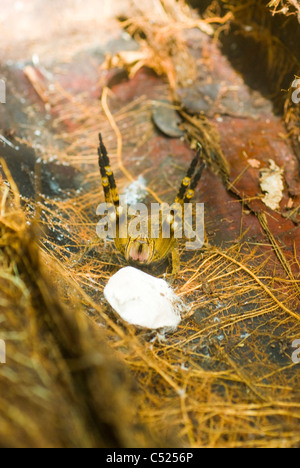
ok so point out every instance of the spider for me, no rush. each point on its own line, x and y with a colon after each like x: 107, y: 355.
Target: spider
x: 145, y: 250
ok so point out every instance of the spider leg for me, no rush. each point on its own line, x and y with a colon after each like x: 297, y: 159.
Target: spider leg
x: 112, y: 197
x: 186, y: 190
x: 107, y: 177
x: 190, y: 192
x: 188, y: 183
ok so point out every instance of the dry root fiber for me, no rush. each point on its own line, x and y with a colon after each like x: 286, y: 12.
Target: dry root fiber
x: 62, y: 385
x: 225, y: 378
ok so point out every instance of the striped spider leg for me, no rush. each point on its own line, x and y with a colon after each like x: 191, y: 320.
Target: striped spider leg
x: 146, y: 250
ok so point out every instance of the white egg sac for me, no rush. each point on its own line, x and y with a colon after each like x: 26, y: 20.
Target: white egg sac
x: 143, y: 300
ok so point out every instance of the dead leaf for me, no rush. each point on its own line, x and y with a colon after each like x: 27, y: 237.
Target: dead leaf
x: 271, y: 184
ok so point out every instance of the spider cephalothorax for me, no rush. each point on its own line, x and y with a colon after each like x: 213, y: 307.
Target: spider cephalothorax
x: 146, y: 249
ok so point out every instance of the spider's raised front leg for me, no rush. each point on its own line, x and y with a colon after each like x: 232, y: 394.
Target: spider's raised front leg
x: 185, y: 194
x: 111, y: 194
x: 190, y: 181
x: 107, y: 176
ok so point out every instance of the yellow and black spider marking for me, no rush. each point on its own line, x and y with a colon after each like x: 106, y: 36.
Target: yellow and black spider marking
x: 107, y: 176
x: 143, y: 251
x: 190, y: 181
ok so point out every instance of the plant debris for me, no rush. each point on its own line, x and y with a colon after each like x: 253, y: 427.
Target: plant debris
x: 75, y: 376
x: 271, y: 183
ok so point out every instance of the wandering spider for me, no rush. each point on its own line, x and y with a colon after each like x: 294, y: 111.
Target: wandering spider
x: 141, y: 249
